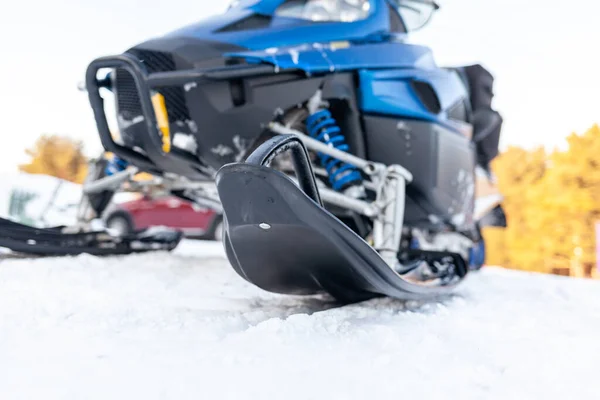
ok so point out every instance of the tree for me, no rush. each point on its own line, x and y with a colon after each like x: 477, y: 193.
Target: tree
x: 57, y: 156
x: 552, y: 202
x: 573, y: 199
x: 518, y: 171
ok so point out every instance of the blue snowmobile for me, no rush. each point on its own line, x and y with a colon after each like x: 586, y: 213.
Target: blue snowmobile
x: 343, y: 158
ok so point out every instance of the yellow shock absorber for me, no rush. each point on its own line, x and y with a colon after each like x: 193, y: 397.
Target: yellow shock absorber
x: 162, y: 118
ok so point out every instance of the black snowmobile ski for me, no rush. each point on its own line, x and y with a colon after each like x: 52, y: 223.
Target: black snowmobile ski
x: 56, y: 242
x: 280, y: 237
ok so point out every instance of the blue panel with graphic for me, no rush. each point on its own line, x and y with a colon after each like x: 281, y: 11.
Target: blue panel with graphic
x: 391, y: 92
x: 326, y: 58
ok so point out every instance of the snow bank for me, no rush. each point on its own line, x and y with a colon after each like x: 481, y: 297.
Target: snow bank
x: 184, y: 326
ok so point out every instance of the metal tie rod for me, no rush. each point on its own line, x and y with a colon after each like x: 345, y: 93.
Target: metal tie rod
x: 370, y: 168
x: 109, y: 182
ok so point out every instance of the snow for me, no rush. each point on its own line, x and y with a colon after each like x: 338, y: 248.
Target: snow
x: 185, y: 326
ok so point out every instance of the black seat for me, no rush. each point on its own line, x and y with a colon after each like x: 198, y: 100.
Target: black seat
x: 487, y: 122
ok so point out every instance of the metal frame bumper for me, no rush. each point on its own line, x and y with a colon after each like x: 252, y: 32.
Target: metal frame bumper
x: 154, y: 159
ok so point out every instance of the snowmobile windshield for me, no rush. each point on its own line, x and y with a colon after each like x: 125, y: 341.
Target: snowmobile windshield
x: 415, y: 13
x: 325, y: 10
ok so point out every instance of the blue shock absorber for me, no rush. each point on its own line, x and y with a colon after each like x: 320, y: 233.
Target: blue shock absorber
x: 114, y: 165
x: 321, y: 126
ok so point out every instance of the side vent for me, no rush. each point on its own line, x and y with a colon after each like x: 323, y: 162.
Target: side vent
x: 238, y: 92
x: 235, y: 61
x: 427, y: 95
x: 255, y: 21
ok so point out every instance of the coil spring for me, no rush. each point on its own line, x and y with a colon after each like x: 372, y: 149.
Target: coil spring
x: 323, y: 127
x: 114, y: 165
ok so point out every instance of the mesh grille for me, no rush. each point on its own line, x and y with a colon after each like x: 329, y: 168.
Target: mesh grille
x: 127, y: 95
x: 128, y: 98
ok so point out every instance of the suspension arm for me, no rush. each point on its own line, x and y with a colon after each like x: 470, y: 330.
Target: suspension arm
x: 368, y: 167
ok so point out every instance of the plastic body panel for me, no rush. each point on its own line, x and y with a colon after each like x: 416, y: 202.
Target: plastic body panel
x: 325, y: 58
x: 442, y: 163
x: 227, y: 131
x: 393, y: 93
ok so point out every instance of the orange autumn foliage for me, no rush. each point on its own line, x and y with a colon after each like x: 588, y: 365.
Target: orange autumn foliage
x: 57, y: 156
x: 552, y: 202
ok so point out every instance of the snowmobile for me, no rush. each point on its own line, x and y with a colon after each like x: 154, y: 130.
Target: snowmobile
x: 343, y: 159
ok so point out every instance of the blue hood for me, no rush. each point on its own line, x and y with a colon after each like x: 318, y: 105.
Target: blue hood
x: 253, y: 25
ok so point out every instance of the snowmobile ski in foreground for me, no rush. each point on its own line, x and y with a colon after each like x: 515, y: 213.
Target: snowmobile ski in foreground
x: 345, y: 160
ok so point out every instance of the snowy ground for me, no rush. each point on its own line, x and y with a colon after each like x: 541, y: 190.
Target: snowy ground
x: 184, y: 326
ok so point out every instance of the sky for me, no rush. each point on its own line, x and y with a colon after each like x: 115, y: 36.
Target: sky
x: 544, y: 55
